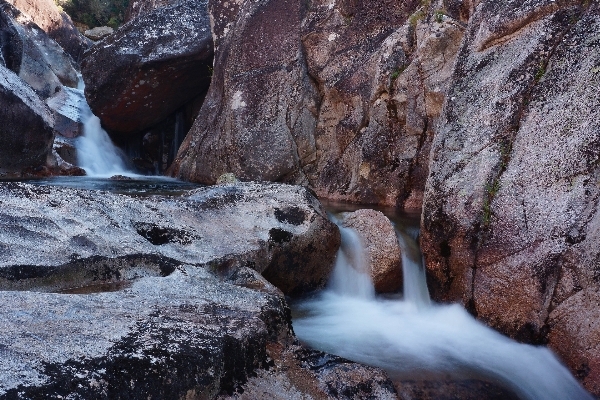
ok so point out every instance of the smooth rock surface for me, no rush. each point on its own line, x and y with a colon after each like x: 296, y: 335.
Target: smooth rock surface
x: 26, y: 131
x: 55, y: 23
x: 149, y: 68
x: 383, y: 255
x: 67, y: 106
x: 31, y: 54
x: 509, y: 219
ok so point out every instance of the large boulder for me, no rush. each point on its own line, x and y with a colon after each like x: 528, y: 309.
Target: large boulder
x: 259, y: 116
x: 99, y: 32
x: 187, y: 334
x: 55, y: 23
x: 510, y: 222
x: 383, y: 256
x: 26, y: 131
x: 163, y: 337
x: 149, y: 68
x: 347, y: 101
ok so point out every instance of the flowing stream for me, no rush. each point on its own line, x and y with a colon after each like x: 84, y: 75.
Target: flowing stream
x: 96, y: 153
x: 412, y: 337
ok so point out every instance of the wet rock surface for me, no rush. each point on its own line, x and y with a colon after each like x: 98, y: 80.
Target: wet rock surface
x: 377, y: 234
x: 510, y: 206
x: 149, y: 68
x: 67, y: 106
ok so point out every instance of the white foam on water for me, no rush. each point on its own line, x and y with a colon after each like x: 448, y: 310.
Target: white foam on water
x: 413, y: 336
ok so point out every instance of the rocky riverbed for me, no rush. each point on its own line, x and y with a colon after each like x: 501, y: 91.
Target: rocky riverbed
x: 110, y: 296
x: 481, y: 115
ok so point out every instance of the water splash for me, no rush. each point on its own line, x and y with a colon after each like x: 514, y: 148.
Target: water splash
x: 413, y: 336
x: 96, y: 153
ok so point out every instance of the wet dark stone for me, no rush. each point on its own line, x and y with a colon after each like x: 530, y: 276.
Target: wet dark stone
x: 277, y: 235
x: 158, y: 235
x: 291, y: 215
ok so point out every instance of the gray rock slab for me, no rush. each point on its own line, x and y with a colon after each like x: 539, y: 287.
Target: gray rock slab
x: 54, y: 238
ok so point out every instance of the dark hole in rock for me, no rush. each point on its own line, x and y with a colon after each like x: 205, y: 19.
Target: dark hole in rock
x: 97, y: 288
x: 158, y: 235
x: 290, y: 215
x: 277, y: 235
x: 445, y: 249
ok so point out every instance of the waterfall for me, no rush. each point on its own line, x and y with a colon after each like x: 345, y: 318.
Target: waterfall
x: 413, y: 273
x: 96, y: 153
x: 350, y: 275
x: 412, y: 336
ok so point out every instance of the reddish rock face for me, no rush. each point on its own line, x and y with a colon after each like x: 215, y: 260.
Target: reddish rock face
x: 149, y: 68
x: 346, y: 101
x: 509, y: 219
x: 366, y: 145
x: 377, y: 234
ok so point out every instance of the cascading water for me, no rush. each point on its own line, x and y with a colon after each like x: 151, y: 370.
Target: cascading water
x: 350, y: 275
x: 96, y: 153
x: 412, y: 336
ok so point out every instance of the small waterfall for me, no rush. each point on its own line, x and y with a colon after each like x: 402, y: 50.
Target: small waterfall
x: 413, y: 273
x: 96, y: 153
x: 413, y: 337
x: 350, y: 276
